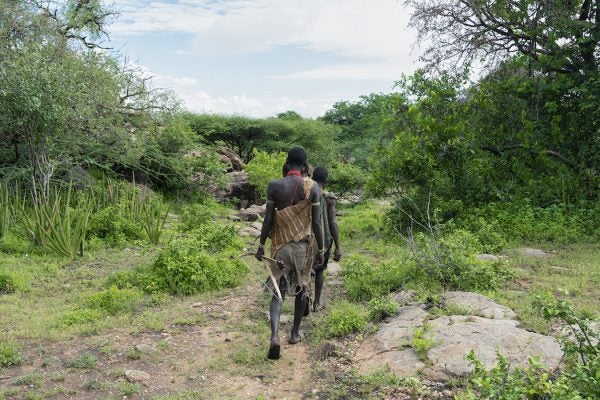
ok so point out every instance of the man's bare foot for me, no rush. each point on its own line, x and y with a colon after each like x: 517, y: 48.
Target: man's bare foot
x: 295, y: 338
x: 317, y: 307
x: 274, y: 349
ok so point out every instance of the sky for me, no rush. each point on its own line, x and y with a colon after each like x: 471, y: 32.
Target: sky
x: 262, y: 57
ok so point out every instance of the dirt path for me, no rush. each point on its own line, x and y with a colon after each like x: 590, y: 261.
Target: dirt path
x: 217, y: 351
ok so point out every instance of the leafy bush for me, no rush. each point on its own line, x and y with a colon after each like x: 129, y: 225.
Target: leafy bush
x: 521, y: 221
x: 195, y: 215
x: 420, y: 342
x: 366, y: 280
x: 382, y: 307
x: 7, y: 284
x: 115, y: 225
x: 113, y: 300
x: 343, y: 319
x: 451, y: 260
x: 363, y: 222
x: 263, y: 168
x: 9, y: 354
x: 185, y: 267
x: 345, y: 178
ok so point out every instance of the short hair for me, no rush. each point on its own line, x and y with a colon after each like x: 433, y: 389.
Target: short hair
x: 285, y: 169
x: 297, y: 156
x: 320, y: 174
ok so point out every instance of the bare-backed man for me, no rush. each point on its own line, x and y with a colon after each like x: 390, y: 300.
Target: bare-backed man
x: 293, y: 214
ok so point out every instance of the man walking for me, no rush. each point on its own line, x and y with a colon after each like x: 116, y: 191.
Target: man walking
x: 293, y: 214
x: 330, y: 232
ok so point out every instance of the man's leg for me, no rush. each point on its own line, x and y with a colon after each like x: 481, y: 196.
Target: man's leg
x: 274, y: 315
x: 299, y: 306
x: 319, y: 280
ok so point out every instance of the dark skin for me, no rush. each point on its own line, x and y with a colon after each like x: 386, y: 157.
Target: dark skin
x: 279, y: 193
x: 337, y: 254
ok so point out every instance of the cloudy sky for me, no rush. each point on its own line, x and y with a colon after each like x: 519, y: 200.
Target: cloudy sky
x: 262, y: 57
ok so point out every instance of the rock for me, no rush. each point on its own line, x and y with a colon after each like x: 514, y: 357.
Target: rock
x: 252, y: 213
x: 457, y: 335
x: 250, y: 231
x: 333, y: 268
x: 403, y: 297
x: 228, y: 156
x: 135, y: 376
x: 326, y: 350
x: 144, y: 348
x: 256, y: 225
x: 79, y: 177
x: 487, y: 257
x: 478, y: 305
x: 536, y: 253
x: 453, y: 337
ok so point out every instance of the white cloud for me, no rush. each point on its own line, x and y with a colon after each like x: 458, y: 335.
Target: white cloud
x: 351, y: 28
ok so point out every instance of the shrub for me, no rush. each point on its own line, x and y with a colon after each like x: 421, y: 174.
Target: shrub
x: 420, y: 342
x: 204, y: 261
x: 9, y: 354
x: 79, y: 316
x: 451, y: 260
x: 113, y: 300
x: 195, y: 215
x: 7, y: 284
x: 114, y: 225
x: 263, y: 168
x: 365, y: 280
x: 382, y: 307
x: 343, y: 319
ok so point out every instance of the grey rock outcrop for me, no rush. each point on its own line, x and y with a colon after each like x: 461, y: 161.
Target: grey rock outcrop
x: 452, y: 337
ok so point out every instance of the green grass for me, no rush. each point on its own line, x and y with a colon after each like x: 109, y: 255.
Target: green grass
x: 84, y: 361
x: 572, y: 269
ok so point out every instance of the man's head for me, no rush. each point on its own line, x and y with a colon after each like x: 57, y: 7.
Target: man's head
x: 297, y: 158
x: 321, y: 175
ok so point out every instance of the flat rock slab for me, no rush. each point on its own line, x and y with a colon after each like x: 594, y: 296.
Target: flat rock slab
x: 536, y: 253
x: 457, y: 335
x: 487, y: 257
x: 333, y: 268
x: 136, y: 376
x: 453, y: 337
x: 477, y: 304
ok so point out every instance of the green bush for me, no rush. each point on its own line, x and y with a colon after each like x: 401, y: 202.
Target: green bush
x: 382, y: 307
x: 366, y: 280
x: 195, y: 215
x: 11, y: 243
x: 363, y: 222
x: 184, y: 268
x: 263, y: 168
x: 343, y: 319
x: 79, y: 316
x: 115, y: 225
x: 9, y: 354
x: 113, y: 300
x: 451, y: 260
x: 8, y: 284
x: 521, y: 221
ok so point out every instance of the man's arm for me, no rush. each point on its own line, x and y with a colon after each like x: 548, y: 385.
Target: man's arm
x: 267, y: 223
x: 316, y: 223
x: 333, y: 227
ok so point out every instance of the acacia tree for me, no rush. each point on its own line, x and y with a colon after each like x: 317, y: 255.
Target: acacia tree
x: 543, y: 55
x: 558, y: 35
x: 63, y: 100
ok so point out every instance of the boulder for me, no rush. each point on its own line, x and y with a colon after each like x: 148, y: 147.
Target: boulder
x: 477, y: 304
x: 79, y: 177
x: 535, y: 253
x: 228, y: 156
x: 487, y: 257
x: 252, y: 213
x: 453, y: 336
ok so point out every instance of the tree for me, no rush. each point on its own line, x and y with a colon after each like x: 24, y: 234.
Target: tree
x: 557, y: 35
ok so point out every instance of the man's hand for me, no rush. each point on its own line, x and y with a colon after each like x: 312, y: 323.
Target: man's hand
x: 319, y: 260
x: 337, y: 254
x: 260, y: 252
